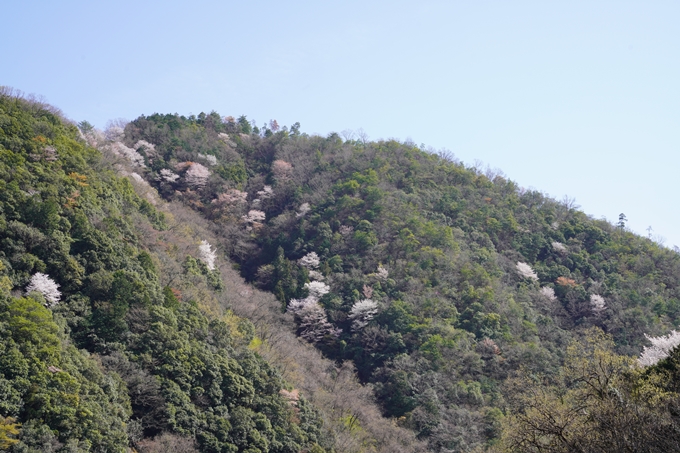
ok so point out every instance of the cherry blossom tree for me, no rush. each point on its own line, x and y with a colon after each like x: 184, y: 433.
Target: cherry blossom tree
x: 231, y: 197
x: 660, y: 349
x: 559, y: 247
x: 304, y: 209
x: 207, y: 254
x: 197, y: 175
x: 212, y: 160
x: 526, y: 271
x: 282, y: 170
x: 254, y: 216
x: 168, y: 175
x: 548, y: 293
x: 597, y: 303
x: 317, y: 289
x: 362, y: 312
x: 382, y: 273
x: 265, y: 193
x: 312, y: 321
x: 310, y: 260
x: 119, y: 149
x: 43, y: 284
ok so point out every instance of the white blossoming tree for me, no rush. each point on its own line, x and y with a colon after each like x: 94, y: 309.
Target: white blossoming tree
x: 119, y: 149
x: 597, y: 304
x: 317, y: 289
x: 265, y: 193
x: 197, y: 176
x: 312, y: 322
x: 207, y: 254
x: 382, y: 273
x: 526, y: 271
x: 660, y: 349
x: 559, y: 247
x: 167, y: 175
x: 282, y: 170
x: 231, y: 197
x: 209, y: 158
x: 304, y: 209
x: 310, y: 261
x: 43, y: 284
x: 548, y: 293
x: 253, y: 216
x: 362, y: 312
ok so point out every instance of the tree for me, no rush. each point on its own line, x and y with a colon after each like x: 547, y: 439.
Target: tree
x: 526, y: 271
x: 8, y: 429
x: 310, y: 261
x: 312, y: 321
x: 599, y: 402
x: 317, y: 289
x: 362, y: 312
x: 197, y: 175
x: 46, y: 286
x: 207, y: 254
x: 660, y: 349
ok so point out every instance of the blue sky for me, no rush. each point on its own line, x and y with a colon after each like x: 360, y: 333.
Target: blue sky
x: 570, y: 98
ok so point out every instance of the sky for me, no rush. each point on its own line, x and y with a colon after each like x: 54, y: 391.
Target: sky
x: 577, y: 99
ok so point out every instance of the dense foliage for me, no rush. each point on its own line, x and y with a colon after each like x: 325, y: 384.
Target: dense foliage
x: 112, y: 334
x: 478, y: 314
x: 457, y: 278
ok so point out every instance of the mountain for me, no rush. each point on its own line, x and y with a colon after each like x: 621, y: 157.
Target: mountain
x: 224, y: 287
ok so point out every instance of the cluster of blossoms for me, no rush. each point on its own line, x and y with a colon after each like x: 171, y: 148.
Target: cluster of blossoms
x: 597, y: 303
x: 254, y: 216
x: 660, y: 349
x: 168, y: 175
x: 226, y: 139
x: 382, y: 273
x: 362, y: 312
x: 526, y: 271
x: 304, y: 209
x: 310, y: 261
x: 148, y: 148
x: 346, y: 230
x: 46, y: 286
x: 312, y: 321
x: 317, y: 289
x: 559, y: 247
x: 282, y: 170
x: 119, y: 149
x: 114, y: 133
x: 548, y: 293
x: 197, y: 175
x: 212, y: 160
x: 49, y: 154
x: 231, y: 197
x: 263, y: 194
x: 138, y: 178
x: 207, y: 254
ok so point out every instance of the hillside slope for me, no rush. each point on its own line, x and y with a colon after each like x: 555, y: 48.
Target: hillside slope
x: 199, y: 284
x: 436, y: 281
x: 117, y: 330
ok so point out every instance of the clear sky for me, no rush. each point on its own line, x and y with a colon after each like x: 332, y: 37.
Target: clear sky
x: 576, y: 98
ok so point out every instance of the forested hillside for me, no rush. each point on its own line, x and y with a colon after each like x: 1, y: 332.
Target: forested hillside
x: 117, y: 328
x: 436, y: 281
x: 200, y: 284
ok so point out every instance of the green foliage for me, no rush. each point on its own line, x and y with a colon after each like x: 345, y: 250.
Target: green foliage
x: 122, y: 356
x: 455, y: 318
